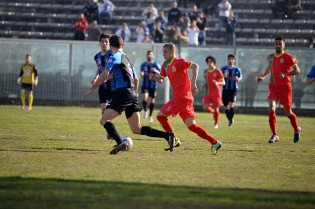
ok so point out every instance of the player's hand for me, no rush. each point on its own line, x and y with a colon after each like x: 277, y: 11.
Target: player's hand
x: 214, y: 82
x: 36, y: 82
x: 281, y: 75
x: 87, y: 94
x: 194, y: 88
x: 19, y: 80
x: 260, y: 79
x: 237, y: 79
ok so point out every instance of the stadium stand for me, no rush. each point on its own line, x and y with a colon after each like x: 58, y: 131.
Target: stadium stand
x: 54, y: 19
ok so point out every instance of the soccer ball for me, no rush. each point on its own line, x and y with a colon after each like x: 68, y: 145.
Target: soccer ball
x: 127, y: 140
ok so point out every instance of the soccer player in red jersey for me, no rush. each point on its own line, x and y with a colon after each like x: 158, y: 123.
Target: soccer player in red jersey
x: 213, y: 80
x: 281, y: 67
x: 176, y: 69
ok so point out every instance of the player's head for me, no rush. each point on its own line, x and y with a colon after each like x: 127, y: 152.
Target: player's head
x: 231, y: 59
x: 211, y: 59
x: 169, y: 51
x: 104, y: 41
x: 116, y: 41
x: 150, y: 55
x: 28, y: 58
x: 279, y: 44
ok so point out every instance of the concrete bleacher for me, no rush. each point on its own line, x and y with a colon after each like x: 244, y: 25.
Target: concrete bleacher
x: 54, y: 19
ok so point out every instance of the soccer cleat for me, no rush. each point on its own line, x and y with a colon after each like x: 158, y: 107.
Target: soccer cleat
x: 118, y: 148
x: 231, y: 122
x: 145, y: 114
x: 151, y: 119
x: 273, y: 138
x: 23, y: 107
x: 216, y: 147
x: 177, y: 142
x: 297, y: 136
x: 216, y: 126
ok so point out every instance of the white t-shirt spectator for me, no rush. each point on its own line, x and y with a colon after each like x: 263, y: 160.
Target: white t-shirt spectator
x: 224, y: 8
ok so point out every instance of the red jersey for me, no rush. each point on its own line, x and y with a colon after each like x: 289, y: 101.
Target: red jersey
x: 177, y: 72
x: 81, y: 24
x: 281, y: 64
x: 214, y: 90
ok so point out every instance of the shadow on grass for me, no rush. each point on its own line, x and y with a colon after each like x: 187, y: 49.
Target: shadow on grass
x: 17, y: 192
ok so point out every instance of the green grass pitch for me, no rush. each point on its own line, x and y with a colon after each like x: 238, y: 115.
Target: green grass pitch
x: 58, y: 157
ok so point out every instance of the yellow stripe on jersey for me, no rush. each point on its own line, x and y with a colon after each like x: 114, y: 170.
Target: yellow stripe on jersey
x: 28, y: 73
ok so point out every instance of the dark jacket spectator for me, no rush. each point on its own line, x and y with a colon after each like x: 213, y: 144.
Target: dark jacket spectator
x: 174, y: 14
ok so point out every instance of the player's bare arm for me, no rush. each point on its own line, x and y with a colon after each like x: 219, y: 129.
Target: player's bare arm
x: 194, y: 68
x: 295, y: 70
x: 100, y: 80
x: 157, y: 79
x: 261, y: 78
x: 136, y: 83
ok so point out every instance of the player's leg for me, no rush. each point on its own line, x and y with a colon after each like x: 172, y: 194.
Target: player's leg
x: 152, y: 93
x: 273, y: 121
x: 30, y: 100
x: 23, y: 97
x: 144, y: 102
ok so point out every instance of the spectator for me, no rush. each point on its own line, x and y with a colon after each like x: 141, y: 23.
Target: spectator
x: 91, y: 10
x: 280, y: 7
x: 80, y: 26
x: 174, y: 14
x: 105, y: 11
x: 211, y: 9
x: 230, y: 30
x: 224, y: 12
x: 174, y: 34
x: 161, y: 18
x: 93, y: 32
x: 193, y: 14
x: 124, y: 32
x: 294, y: 6
x: 184, y: 22
x: 310, y: 43
x: 158, y: 32
x: 140, y: 30
x: 193, y: 32
x: 151, y: 14
x: 147, y: 39
x: 201, y: 24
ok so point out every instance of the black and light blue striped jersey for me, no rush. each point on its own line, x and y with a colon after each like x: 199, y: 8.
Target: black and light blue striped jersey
x: 121, y: 68
x: 147, y: 69
x: 229, y: 77
x: 101, y: 62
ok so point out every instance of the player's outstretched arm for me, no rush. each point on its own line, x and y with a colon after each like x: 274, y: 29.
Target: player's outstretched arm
x: 100, y: 80
x: 195, y: 68
x: 262, y: 78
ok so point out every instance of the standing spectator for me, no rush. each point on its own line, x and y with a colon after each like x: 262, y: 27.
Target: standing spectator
x: 124, y: 32
x: 282, y: 66
x: 193, y: 33
x: 125, y: 99
x: 232, y: 75
x: 310, y: 43
x: 80, y: 26
x: 151, y: 14
x: 294, y: 6
x: 148, y: 86
x: 105, y: 12
x: 194, y: 13
x: 90, y: 10
x: 176, y: 69
x: 161, y: 18
x: 211, y: 9
x: 201, y: 24
x: 310, y: 77
x: 93, y: 32
x: 174, y: 14
x: 213, y: 81
x: 280, y: 7
x: 28, y: 78
x: 224, y: 8
x: 141, y: 30
x: 158, y: 32
x: 230, y: 30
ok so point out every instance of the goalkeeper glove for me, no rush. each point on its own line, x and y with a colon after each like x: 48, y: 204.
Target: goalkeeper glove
x: 19, y: 80
x: 36, y: 82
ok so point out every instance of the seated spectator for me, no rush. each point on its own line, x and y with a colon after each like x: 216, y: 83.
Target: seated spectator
x: 193, y: 14
x: 193, y: 32
x: 90, y: 10
x: 147, y: 39
x: 174, y: 14
x: 161, y: 18
x: 93, y: 32
x: 140, y: 30
x: 158, y: 32
x: 105, y: 12
x: 80, y: 26
x: 150, y: 13
x: 280, y: 7
x: 124, y: 32
x: 294, y: 6
x: 201, y: 24
x: 311, y: 44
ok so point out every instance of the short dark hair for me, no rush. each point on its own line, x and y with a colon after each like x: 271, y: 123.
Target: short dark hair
x: 116, y: 41
x: 231, y: 55
x: 170, y: 46
x: 149, y: 51
x: 103, y: 35
x: 279, y: 38
x: 212, y: 58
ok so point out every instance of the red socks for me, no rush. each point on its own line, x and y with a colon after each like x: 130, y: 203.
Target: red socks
x: 216, y: 116
x: 201, y: 132
x: 165, y: 123
x: 273, y: 122
x: 294, y: 122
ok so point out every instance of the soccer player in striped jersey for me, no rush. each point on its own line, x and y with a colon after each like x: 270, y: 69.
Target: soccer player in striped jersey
x: 176, y: 69
x: 28, y: 78
x: 232, y: 75
x: 281, y: 67
x: 148, y: 86
x: 120, y: 69
x: 213, y: 81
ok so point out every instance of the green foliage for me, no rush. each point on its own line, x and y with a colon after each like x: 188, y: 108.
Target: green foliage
x: 58, y: 157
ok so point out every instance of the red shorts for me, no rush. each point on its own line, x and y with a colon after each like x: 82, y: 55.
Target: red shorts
x: 281, y: 92
x: 182, y: 106
x: 214, y: 101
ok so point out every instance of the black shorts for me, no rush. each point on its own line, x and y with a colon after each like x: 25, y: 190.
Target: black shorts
x: 27, y: 86
x: 152, y: 91
x: 228, y: 96
x: 124, y: 99
x: 104, y: 95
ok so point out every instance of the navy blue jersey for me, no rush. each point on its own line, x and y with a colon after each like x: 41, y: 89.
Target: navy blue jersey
x: 122, y: 70
x: 146, y: 68
x: 101, y: 62
x: 229, y: 77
